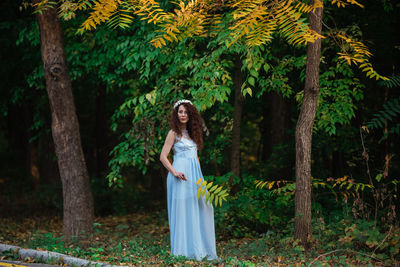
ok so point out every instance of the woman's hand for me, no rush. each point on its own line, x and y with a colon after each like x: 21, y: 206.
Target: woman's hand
x: 180, y: 175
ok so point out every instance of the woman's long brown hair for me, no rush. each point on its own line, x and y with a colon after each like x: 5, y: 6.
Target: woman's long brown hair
x: 194, y: 125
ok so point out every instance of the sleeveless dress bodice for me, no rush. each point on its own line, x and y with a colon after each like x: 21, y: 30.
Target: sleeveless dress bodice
x: 191, y: 220
x: 185, y: 148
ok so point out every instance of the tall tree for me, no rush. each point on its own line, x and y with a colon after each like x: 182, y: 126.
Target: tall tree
x: 274, y: 123
x: 304, y: 127
x: 237, y: 115
x: 101, y: 131
x: 77, y: 195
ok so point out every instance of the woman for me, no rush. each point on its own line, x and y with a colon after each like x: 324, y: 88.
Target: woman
x: 191, y: 220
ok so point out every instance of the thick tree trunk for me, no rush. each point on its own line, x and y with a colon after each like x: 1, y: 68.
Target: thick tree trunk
x: 77, y: 195
x: 274, y: 123
x: 302, y: 228
x: 48, y: 165
x: 237, y: 116
x: 101, y: 158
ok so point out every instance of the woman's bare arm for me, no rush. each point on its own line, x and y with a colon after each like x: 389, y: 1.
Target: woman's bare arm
x: 169, y: 142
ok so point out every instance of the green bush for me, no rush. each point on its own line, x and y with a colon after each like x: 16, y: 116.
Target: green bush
x: 251, y: 210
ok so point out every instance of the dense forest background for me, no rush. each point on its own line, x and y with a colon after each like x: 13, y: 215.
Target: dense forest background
x: 114, y: 72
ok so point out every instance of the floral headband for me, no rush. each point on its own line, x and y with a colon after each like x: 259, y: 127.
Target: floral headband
x: 181, y: 102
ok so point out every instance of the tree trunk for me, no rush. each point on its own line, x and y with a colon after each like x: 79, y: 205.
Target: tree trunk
x: 302, y: 228
x: 77, y: 195
x: 101, y: 128
x: 48, y: 166
x: 274, y: 123
x: 237, y: 116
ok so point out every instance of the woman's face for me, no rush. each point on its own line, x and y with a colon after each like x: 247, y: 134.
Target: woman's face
x: 183, y: 115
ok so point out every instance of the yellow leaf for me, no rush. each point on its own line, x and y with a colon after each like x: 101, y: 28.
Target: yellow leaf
x: 213, y: 188
x: 270, y: 185
x: 167, y: 37
x: 198, y: 192
x: 203, y: 191
x: 218, y: 189
x: 162, y: 41
x: 211, y: 198
x: 222, y: 192
x: 263, y: 184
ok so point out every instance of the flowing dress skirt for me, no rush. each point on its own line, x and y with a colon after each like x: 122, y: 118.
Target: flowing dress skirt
x: 191, y: 220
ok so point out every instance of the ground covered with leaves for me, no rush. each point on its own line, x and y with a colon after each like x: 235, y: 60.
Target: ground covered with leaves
x: 143, y: 239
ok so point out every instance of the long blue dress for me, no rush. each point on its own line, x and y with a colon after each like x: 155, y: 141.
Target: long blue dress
x: 191, y: 220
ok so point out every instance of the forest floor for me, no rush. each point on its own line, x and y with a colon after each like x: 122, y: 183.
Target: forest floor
x: 143, y: 239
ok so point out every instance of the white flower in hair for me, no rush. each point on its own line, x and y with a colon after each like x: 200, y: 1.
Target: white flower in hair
x: 181, y: 102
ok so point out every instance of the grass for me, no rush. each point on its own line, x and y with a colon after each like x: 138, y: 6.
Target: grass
x: 143, y: 239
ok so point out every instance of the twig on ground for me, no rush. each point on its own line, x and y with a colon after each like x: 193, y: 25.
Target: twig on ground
x: 372, y: 257
x: 330, y: 252
x: 390, y: 231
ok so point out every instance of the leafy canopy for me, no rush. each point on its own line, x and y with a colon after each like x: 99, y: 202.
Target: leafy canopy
x: 256, y: 22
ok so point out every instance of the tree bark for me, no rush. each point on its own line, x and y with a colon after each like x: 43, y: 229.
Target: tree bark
x: 275, y: 120
x: 237, y: 116
x: 101, y: 128
x: 48, y: 166
x: 302, y: 228
x: 77, y: 195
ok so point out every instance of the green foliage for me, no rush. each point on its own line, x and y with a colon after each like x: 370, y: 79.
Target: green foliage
x: 340, y: 186
x: 44, y: 5
x: 359, y: 236
x: 218, y: 140
x: 390, y: 111
x: 203, y: 79
x: 393, y: 81
x: 340, y: 90
x: 277, y: 73
x: 387, y: 116
x: 339, y: 93
x: 250, y: 211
